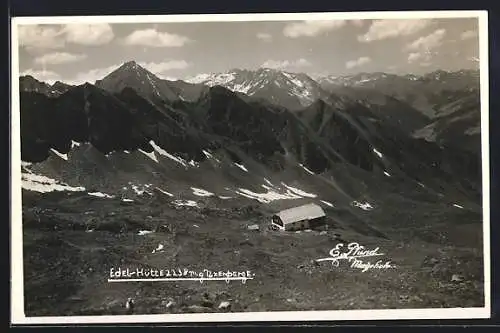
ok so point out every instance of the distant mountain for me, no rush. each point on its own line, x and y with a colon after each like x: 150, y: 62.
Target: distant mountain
x: 379, y: 146
x: 185, y: 90
x: 291, y: 90
x: 61, y: 87
x: 29, y: 83
x: 132, y: 75
x: 84, y: 113
x: 421, y: 92
x: 383, y: 108
x: 457, y: 122
x: 319, y: 137
x: 408, y: 103
x: 364, y: 79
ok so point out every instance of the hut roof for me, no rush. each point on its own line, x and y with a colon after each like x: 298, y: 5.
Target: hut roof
x: 309, y: 211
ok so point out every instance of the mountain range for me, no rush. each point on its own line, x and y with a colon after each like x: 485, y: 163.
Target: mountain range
x: 137, y: 170
x: 267, y: 117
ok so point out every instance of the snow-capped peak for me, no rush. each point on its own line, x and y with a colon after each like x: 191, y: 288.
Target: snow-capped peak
x: 257, y: 81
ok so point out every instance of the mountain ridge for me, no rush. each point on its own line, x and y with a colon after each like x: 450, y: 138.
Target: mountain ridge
x: 279, y: 89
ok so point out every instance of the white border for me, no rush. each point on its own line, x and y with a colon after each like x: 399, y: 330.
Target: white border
x: 17, y: 292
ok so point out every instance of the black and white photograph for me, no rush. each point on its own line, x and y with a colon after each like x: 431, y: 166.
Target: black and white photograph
x: 250, y: 167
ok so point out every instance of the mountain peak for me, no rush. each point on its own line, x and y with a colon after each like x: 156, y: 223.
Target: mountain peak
x: 130, y: 64
x: 131, y: 74
x: 87, y: 86
x: 28, y: 77
x: 130, y: 67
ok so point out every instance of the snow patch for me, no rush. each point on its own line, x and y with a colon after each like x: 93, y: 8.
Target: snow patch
x: 210, y: 156
x: 155, y: 88
x: 309, y: 171
x: 150, y: 155
x: 241, y: 166
x: 298, y: 83
x: 224, y: 197
x: 267, y: 197
x: 193, y: 163
x: 165, y: 192
x: 74, y: 144
x: 377, y: 152
x: 268, y: 182
x: 61, y: 155
x: 43, y: 184
x: 363, y: 206
x: 189, y: 203
x: 387, y: 174
x: 127, y: 200
x: 458, y: 206
x: 299, y: 191
x: 100, y: 195
x: 211, y: 80
x: 163, y: 152
x: 137, y: 190
x: 201, y: 192
x: 158, y: 249
x: 327, y: 203
x: 144, y: 232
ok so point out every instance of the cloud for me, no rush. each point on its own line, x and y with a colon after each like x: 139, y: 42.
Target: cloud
x: 468, y: 34
x: 155, y: 38
x: 419, y: 56
x: 56, y: 58
x: 41, y: 37
x: 414, y: 56
x: 384, y: 29
x: 160, y: 68
x: 284, y: 64
x: 264, y: 36
x: 428, y: 42
x: 89, y: 34
x: 311, y: 28
x: 42, y: 75
x: 423, y: 58
x: 91, y: 75
x: 358, y: 62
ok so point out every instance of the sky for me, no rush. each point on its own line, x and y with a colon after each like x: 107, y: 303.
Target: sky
x: 78, y: 53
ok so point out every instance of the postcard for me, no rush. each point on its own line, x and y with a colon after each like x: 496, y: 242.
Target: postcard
x: 250, y: 167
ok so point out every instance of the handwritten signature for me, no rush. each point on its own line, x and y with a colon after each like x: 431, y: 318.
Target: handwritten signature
x: 352, y: 254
